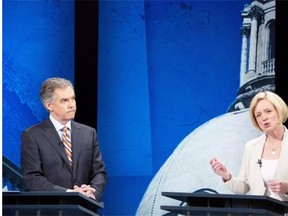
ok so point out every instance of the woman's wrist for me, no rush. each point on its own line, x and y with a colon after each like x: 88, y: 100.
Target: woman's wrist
x: 227, y: 178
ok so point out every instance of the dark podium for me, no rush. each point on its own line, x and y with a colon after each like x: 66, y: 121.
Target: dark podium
x: 224, y: 204
x: 49, y: 204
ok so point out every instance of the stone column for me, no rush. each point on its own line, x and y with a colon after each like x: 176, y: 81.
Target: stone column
x: 245, y: 32
x: 256, y: 14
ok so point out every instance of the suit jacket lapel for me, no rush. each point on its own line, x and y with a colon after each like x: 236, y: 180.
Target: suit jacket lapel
x: 258, y: 156
x: 259, y: 147
x: 53, y: 138
x: 77, y: 140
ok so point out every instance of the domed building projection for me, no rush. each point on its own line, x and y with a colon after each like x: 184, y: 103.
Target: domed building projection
x: 187, y: 169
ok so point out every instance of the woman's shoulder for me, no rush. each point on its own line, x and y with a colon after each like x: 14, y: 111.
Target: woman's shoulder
x: 257, y: 140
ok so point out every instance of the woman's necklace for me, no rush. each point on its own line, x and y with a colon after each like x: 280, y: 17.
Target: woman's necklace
x: 275, y: 143
x: 274, y: 146
x: 273, y: 152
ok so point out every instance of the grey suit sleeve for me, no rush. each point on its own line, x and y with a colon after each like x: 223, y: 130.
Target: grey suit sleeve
x: 98, y: 174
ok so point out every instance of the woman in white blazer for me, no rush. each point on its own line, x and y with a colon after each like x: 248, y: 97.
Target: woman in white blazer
x: 264, y: 169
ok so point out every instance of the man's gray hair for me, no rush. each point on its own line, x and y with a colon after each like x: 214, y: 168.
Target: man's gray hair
x: 50, y: 85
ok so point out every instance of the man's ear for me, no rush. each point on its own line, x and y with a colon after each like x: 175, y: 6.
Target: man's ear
x: 48, y: 106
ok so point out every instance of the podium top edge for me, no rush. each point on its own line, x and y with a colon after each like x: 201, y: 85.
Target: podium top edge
x: 177, y: 195
x: 50, y: 194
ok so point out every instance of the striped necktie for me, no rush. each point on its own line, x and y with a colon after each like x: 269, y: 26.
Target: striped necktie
x: 67, y: 143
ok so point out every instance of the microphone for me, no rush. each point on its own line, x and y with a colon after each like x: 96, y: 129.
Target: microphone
x: 259, y: 162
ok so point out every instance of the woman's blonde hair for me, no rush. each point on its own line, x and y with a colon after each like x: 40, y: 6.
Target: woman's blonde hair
x: 275, y: 100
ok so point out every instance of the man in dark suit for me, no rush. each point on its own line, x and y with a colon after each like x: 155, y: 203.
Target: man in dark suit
x: 45, y: 164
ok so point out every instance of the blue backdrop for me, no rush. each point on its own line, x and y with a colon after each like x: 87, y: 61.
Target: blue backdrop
x: 165, y: 67
x: 38, y: 43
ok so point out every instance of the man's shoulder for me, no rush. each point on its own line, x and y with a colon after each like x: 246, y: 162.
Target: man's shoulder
x: 81, y: 126
x: 40, y: 125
